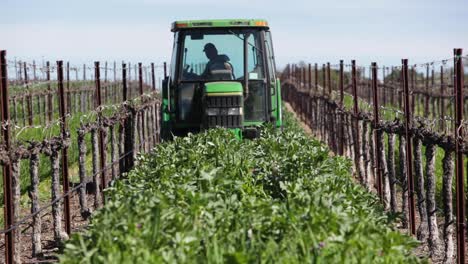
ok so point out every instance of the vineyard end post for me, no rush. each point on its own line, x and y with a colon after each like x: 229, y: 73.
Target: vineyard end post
x: 341, y: 84
x: 153, y: 80
x: 97, y: 76
x: 376, y: 129
x: 63, y: 127
x: 316, y: 77
x: 460, y: 188
x: 7, y: 180
x: 409, y: 151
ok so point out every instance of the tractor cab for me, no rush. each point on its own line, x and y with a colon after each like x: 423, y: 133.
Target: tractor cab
x: 222, y: 74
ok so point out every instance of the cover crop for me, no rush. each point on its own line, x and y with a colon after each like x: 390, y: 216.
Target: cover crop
x: 210, y: 198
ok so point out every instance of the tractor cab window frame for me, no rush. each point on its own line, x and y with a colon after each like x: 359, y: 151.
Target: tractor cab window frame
x: 270, y: 55
x: 237, y: 33
x: 170, y: 93
x: 173, y: 65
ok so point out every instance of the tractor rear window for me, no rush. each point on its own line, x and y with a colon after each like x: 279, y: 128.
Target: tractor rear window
x: 212, y: 55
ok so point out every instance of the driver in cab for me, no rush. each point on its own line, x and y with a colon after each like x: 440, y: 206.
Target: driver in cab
x: 216, y: 61
x: 218, y: 66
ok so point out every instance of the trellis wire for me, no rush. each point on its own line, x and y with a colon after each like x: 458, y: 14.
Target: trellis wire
x: 105, y: 119
x: 425, y: 95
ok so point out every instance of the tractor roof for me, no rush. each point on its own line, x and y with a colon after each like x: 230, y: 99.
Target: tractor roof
x: 218, y: 23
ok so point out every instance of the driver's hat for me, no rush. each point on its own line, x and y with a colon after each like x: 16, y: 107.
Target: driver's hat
x: 209, y: 46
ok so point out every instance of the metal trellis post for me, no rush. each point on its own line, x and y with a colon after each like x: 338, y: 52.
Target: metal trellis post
x: 409, y: 151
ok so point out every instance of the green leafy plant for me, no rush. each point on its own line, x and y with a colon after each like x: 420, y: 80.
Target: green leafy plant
x: 210, y: 198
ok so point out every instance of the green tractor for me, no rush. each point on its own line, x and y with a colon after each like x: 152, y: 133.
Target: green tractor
x: 222, y: 74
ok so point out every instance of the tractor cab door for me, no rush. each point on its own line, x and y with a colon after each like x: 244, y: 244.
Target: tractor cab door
x: 255, y: 103
x: 273, y: 82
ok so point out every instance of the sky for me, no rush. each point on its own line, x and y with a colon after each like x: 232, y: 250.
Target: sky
x: 313, y: 31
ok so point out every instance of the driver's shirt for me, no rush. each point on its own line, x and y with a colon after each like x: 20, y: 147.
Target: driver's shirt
x: 218, y: 63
